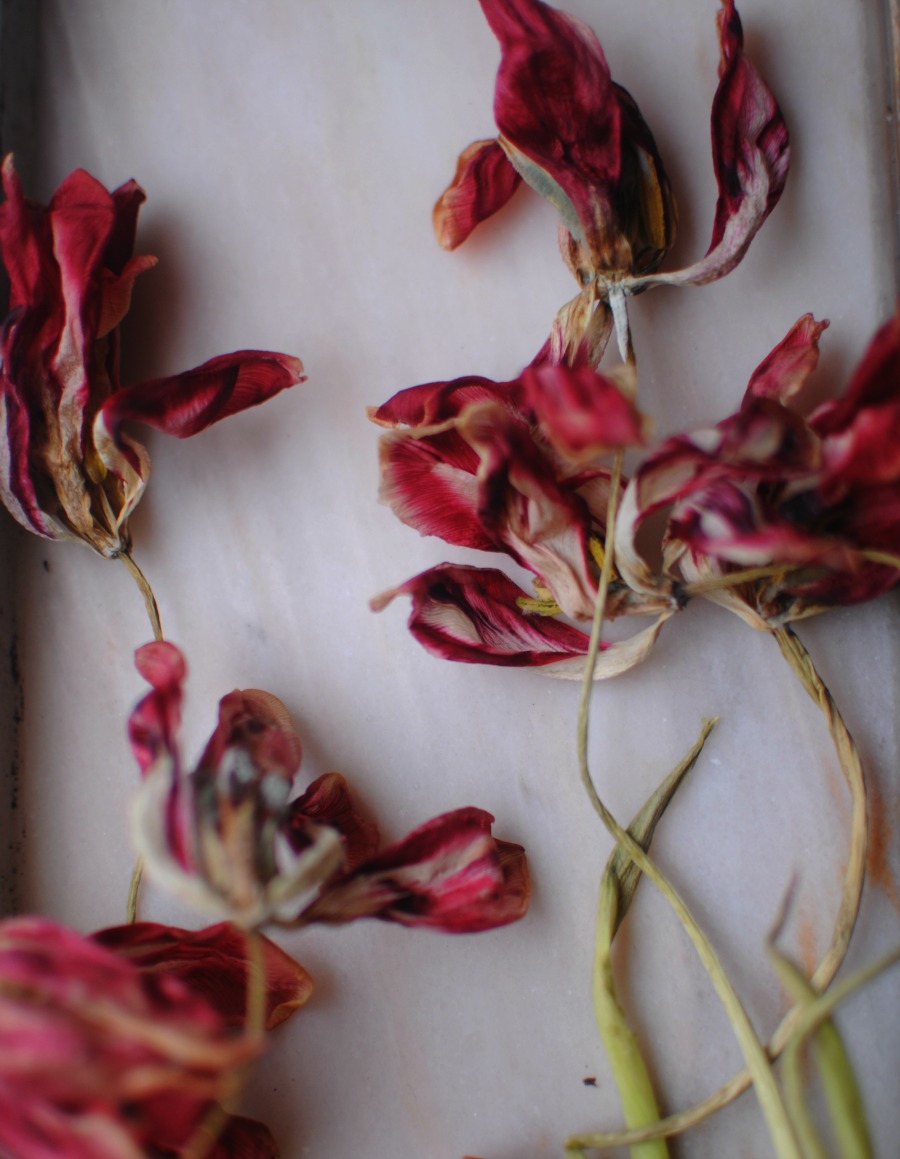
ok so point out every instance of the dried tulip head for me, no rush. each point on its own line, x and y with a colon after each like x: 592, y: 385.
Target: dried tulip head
x: 68, y: 467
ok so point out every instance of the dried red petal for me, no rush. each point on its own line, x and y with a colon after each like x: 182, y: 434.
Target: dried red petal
x: 483, y: 183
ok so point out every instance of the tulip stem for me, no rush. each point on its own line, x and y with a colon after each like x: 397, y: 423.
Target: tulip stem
x: 800, y: 661
x: 256, y: 987
x: 146, y: 591
x: 134, y: 887
x: 758, y: 1064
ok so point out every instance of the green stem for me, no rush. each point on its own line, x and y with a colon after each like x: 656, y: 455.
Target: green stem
x: 758, y: 1065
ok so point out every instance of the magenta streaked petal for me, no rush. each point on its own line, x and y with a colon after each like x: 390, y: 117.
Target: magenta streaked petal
x: 185, y: 404
x: 483, y: 183
x: 471, y: 615
x: 449, y: 874
x: 751, y: 157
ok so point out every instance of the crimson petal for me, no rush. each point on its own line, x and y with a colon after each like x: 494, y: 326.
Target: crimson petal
x: 212, y: 963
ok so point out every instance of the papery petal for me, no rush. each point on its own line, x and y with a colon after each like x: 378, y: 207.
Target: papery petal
x: 327, y: 801
x: 212, y: 963
x: 483, y: 183
x: 471, y: 614
x: 751, y: 156
x: 258, y: 724
x: 185, y: 404
x: 583, y: 412
x: 782, y: 374
x: 449, y: 874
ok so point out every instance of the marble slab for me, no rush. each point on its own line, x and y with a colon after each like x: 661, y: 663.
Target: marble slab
x: 291, y: 153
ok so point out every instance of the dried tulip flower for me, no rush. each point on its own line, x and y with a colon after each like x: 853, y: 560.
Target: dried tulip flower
x: 579, y: 139
x: 230, y: 838
x: 511, y: 468
x: 103, y: 1058
x: 813, y: 502
x: 69, y: 469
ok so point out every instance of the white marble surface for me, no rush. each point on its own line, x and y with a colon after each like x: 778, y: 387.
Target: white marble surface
x: 291, y: 153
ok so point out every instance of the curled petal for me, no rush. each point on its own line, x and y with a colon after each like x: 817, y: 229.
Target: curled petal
x: 483, y: 183
x: 449, y: 874
x: 154, y: 725
x: 782, y: 374
x: 212, y: 963
x: 258, y: 724
x: 244, y: 1138
x: 185, y: 404
x: 327, y: 801
x: 434, y: 403
x: 471, y: 614
x: 751, y: 156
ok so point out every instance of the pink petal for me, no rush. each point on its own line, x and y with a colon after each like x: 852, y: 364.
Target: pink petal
x: 449, y: 874
x: 185, y: 404
x: 483, y: 183
x: 470, y: 614
x: 751, y: 156
x: 212, y: 963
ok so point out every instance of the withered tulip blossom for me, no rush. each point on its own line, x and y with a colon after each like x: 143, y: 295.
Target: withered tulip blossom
x: 100, y: 1059
x: 69, y: 469
x: 511, y: 468
x: 579, y: 139
x: 815, y: 501
x: 230, y: 838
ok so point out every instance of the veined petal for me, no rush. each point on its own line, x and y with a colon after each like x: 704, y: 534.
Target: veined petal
x: 429, y: 480
x: 450, y: 874
x: 212, y: 963
x: 471, y: 614
x: 483, y: 183
x: 185, y: 404
x: 751, y: 156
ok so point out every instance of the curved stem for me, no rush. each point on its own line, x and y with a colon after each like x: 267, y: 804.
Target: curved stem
x: 134, y: 888
x: 797, y: 656
x: 146, y: 591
